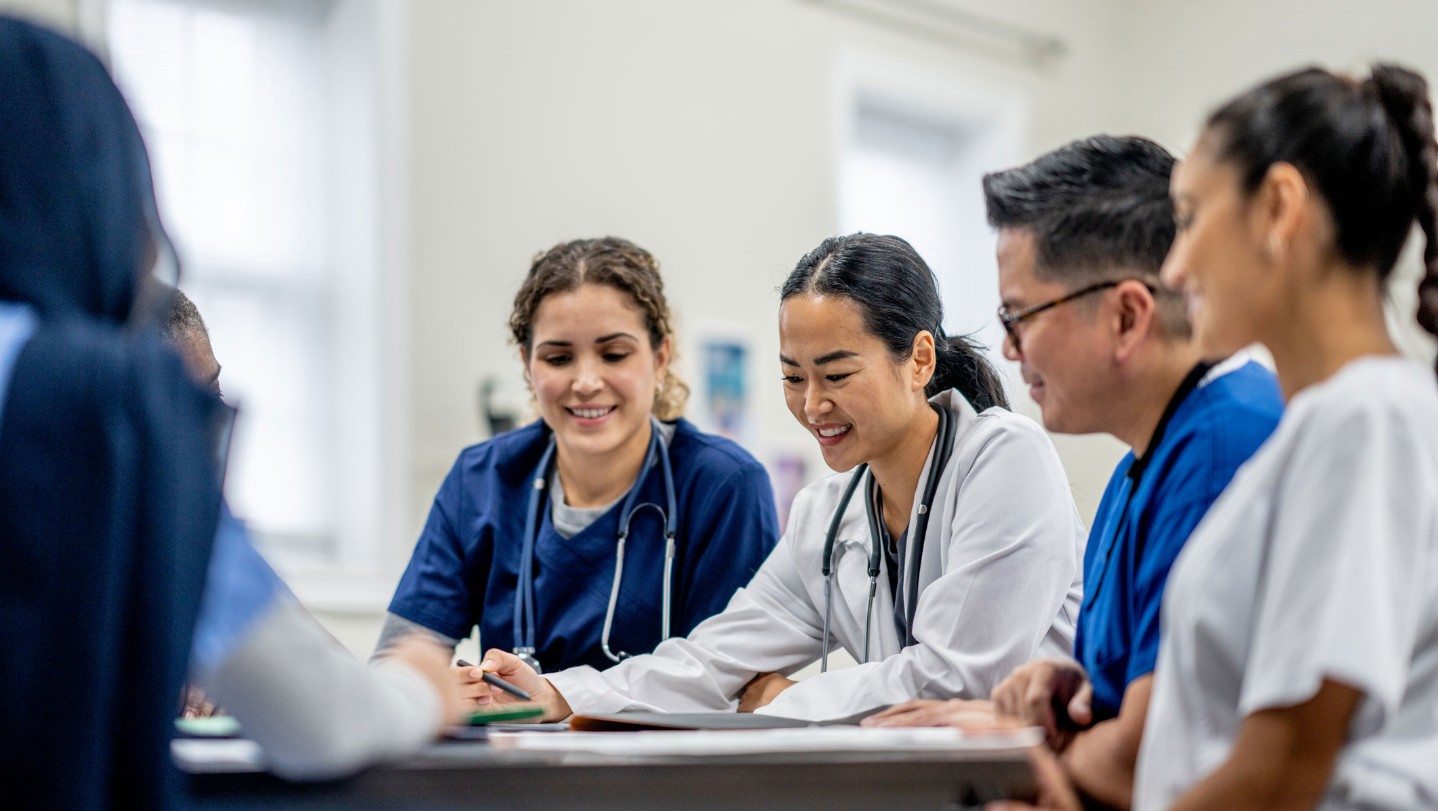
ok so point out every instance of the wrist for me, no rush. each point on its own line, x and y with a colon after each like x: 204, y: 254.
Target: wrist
x: 556, y: 708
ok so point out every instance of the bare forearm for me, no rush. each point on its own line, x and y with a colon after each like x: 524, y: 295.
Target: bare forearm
x: 1282, y: 758
x: 1259, y: 786
x: 1100, y: 762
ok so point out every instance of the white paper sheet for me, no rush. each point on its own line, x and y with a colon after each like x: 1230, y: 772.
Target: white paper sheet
x: 230, y: 755
x: 767, y: 741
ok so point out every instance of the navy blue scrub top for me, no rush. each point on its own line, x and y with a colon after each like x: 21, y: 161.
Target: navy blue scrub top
x: 1140, y: 528
x: 465, y: 567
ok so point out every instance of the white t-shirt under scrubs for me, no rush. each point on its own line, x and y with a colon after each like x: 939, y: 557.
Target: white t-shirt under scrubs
x: 1320, y: 561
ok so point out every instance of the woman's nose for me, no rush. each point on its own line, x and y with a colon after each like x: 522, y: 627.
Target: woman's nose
x: 816, y: 405
x: 587, y: 379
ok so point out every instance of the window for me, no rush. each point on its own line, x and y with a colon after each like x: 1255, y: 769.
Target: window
x: 261, y: 118
x: 911, y: 161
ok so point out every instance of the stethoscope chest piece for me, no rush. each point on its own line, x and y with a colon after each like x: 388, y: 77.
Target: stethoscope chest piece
x: 526, y: 655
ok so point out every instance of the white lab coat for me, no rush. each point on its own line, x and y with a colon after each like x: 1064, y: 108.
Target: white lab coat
x: 1000, y: 584
x: 1320, y: 561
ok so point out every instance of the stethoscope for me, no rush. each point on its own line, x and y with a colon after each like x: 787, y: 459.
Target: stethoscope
x: 524, y: 595
x: 944, y: 448
x: 1134, y: 477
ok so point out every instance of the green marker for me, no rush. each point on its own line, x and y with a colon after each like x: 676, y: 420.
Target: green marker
x: 500, y: 716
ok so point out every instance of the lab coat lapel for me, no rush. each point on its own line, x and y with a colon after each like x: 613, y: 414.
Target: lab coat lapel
x: 935, y: 549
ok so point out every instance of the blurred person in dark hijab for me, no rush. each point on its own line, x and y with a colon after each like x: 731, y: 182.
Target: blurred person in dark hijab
x: 118, y: 560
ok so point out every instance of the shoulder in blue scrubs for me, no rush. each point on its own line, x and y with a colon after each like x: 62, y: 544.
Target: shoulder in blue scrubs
x: 1150, y: 507
x: 465, y: 568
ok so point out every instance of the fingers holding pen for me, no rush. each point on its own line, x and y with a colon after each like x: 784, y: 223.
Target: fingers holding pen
x: 502, y: 665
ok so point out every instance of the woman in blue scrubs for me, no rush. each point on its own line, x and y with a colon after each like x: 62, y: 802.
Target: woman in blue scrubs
x: 593, y: 329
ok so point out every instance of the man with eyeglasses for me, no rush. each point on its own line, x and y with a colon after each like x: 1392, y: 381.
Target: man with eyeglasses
x: 1102, y: 347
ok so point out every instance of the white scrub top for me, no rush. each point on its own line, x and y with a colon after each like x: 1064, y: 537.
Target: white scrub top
x: 1000, y: 584
x: 1320, y: 561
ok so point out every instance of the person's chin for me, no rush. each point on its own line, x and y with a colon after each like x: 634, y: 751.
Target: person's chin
x: 841, y: 459
x: 1214, y: 342
x: 1051, y: 420
x: 589, y: 440
x: 1057, y: 422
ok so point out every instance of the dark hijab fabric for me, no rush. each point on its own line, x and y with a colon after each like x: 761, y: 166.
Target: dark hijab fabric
x: 109, y: 487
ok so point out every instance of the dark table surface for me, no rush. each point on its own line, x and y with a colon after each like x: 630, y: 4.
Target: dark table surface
x: 474, y: 774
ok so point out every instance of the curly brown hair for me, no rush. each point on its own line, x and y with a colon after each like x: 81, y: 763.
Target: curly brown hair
x: 612, y: 262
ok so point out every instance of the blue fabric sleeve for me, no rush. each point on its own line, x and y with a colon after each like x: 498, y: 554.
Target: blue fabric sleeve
x: 737, y: 527
x: 239, y: 587
x: 435, y: 590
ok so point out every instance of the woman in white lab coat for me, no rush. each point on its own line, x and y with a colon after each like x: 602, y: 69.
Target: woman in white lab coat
x: 915, y: 423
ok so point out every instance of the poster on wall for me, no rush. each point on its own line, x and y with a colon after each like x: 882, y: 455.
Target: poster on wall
x: 788, y: 472
x: 725, y: 399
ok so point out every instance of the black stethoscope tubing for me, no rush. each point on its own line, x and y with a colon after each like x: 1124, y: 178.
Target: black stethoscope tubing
x: 1134, y: 478
x: 524, y: 632
x: 944, y: 448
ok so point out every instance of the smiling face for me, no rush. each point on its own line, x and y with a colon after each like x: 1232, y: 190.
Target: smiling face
x: 594, y: 372
x: 843, y: 385
x: 1217, y: 258
x: 1063, y: 360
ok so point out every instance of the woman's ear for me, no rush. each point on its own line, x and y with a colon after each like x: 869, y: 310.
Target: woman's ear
x: 925, y: 358
x: 662, y: 355
x: 524, y: 364
x: 1281, y: 209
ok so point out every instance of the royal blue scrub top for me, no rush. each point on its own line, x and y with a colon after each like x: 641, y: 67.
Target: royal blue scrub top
x: 1139, y: 530
x: 465, y: 567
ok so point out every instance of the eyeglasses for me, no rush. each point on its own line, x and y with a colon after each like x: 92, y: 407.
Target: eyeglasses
x: 1011, y: 320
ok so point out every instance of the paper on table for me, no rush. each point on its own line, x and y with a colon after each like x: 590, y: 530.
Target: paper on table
x: 768, y: 741
x: 216, y: 755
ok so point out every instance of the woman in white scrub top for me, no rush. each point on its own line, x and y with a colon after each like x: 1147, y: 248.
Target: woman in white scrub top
x: 1299, y: 662
x: 993, y: 582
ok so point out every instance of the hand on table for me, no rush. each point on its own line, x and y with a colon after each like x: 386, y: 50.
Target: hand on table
x: 762, y: 689
x: 196, y: 705
x: 1051, y: 693
x: 509, y: 667
x: 974, y: 716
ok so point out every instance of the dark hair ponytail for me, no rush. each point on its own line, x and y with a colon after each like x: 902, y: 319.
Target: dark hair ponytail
x: 899, y: 297
x: 963, y: 365
x: 1366, y: 146
x: 1405, y: 96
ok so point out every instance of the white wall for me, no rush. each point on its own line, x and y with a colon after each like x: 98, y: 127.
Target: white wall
x: 60, y: 13
x: 705, y: 132
x: 1190, y: 57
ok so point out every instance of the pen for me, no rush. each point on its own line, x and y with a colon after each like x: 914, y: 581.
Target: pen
x: 490, y: 678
